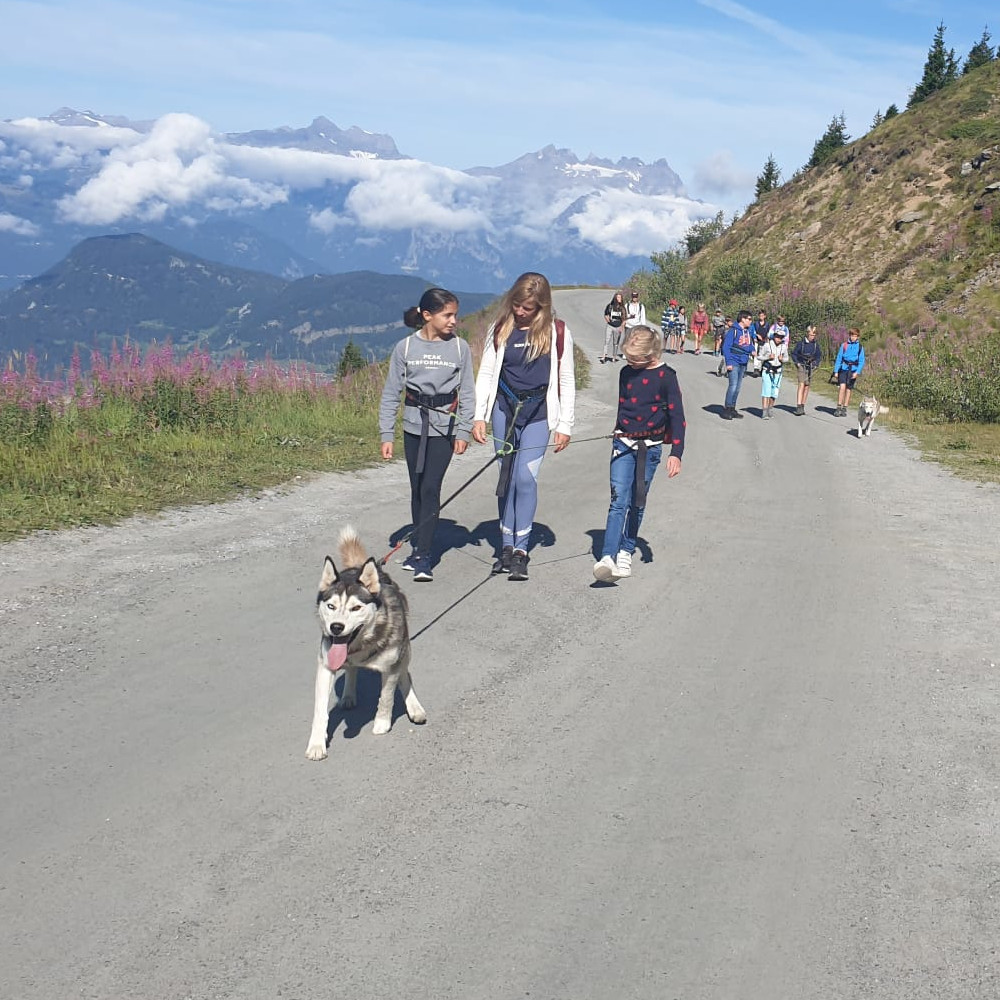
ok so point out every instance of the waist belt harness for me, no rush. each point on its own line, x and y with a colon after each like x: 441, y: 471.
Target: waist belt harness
x: 425, y: 403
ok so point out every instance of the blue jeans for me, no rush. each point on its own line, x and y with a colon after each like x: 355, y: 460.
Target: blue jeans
x: 624, y: 519
x: 735, y: 381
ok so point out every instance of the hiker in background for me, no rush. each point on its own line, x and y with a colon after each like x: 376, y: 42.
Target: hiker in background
x: 699, y: 326
x: 526, y: 386
x: 635, y: 313
x: 807, y: 357
x: 432, y: 371
x: 737, y: 349
x: 614, y: 318
x: 668, y: 325
x: 846, y: 369
x: 720, y: 323
x: 680, y: 330
x: 760, y: 325
x: 779, y: 324
x: 772, y: 355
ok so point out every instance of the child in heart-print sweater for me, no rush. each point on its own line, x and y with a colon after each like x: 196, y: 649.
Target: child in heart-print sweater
x: 650, y: 414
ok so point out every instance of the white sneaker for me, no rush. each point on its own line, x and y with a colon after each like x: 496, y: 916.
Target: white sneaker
x: 606, y: 570
x: 624, y: 563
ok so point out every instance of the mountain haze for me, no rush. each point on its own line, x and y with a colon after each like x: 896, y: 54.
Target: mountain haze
x: 112, y: 287
x: 296, y: 201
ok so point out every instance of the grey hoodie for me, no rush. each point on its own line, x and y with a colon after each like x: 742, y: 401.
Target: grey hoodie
x: 431, y: 368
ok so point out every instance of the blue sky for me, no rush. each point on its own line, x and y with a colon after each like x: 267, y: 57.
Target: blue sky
x: 713, y: 86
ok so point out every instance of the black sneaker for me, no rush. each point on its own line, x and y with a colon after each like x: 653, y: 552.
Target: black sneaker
x: 411, y: 562
x: 502, y: 565
x: 736, y: 414
x: 518, y: 565
x: 727, y: 414
x: 422, y: 572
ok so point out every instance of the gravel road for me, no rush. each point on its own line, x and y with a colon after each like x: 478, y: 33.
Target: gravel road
x: 764, y: 767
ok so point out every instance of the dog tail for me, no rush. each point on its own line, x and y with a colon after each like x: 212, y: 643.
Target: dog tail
x: 352, y: 552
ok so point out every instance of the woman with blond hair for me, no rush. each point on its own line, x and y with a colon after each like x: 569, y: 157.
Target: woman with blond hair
x: 526, y: 385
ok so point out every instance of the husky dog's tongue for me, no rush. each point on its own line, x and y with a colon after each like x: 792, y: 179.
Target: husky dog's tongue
x: 337, y: 656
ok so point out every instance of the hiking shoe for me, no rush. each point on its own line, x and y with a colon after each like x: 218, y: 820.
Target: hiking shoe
x: 736, y: 414
x: 624, y: 562
x: 410, y: 562
x: 518, y: 565
x: 502, y: 565
x: 422, y: 572
x: 606, y: 570
x: 800, y: 410
x: 727, y: 414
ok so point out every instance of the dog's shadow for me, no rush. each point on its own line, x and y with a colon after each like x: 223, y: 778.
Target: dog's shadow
x: 355, y: 719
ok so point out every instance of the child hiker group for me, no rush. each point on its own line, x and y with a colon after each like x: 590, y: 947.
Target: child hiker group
x: 526, y: 388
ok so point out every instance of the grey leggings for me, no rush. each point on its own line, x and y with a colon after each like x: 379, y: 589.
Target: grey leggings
x: 613, y: 341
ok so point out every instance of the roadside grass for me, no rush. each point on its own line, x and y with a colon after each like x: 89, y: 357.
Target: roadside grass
x: 140, y: 436
x: 969, y: 450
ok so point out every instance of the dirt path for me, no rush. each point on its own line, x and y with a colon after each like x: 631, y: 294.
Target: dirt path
x: 764, y: 767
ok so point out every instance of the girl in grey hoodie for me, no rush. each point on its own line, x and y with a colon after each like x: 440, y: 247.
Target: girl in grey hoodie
x: 432, y: 371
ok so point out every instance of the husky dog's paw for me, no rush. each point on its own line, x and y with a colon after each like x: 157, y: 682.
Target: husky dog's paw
x: 417, y: 716
x: 316, y: 751
x: 346, y: 701
x: 382, y: 726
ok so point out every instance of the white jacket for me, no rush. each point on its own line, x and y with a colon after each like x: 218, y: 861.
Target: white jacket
x: 560, y: 399
x: 635, y: 315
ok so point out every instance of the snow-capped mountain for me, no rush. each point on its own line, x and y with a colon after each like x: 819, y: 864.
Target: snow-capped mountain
x: 322, y: 199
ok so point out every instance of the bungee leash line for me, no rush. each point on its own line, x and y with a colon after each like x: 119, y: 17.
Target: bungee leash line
x: 506, y: 448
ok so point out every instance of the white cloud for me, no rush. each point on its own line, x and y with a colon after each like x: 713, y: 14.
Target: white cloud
x: 176, y: 164
x: 720, y: 175
x: 13, y: 224
x: 628, y: 224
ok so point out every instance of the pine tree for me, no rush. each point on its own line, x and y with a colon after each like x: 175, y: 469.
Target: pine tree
x: 769, y: 179
x: 940, y: 69
x: 891, y: 112
x: 835, y: 137
x: 350, y: 360
x: 878, y: 119
x: 980, y: 54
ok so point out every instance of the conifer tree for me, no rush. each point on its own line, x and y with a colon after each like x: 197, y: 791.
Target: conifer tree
x: 878, y: 119
x: 980, y: 54
x: 835, y: 137
x: 769, y: 179
x: 891, y: 112
x: 939, y: 70
x: 351, y: 360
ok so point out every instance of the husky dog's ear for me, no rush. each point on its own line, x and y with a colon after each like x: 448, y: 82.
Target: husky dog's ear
x: 369, y: 578
x: 330, y: 574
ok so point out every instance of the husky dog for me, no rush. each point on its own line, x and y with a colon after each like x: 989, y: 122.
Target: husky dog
x: 362, y: 614
x: 869, y: 409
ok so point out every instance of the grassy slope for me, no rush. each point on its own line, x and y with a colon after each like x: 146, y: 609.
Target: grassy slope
x: 834, y: 229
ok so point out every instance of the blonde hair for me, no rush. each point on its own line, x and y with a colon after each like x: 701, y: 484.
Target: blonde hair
x: 534, y: 286
x: 645, y: 340
x: 811, y: 328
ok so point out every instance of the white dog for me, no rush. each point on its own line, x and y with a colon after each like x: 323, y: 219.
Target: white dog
x: 869, y: 409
